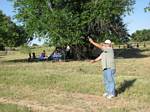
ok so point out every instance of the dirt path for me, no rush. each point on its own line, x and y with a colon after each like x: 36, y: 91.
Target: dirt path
x: 36, y: 107
x: 85, y: 103
x: 81, y: 103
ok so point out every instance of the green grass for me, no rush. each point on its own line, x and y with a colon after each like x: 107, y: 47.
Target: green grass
x: 12, y: 108
x: 76, y: 85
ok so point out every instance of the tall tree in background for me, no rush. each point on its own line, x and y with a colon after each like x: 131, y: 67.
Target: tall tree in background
x: 141, y: 35
x: 148, y: 7
x: 11, y: 34
x: 66, y: 20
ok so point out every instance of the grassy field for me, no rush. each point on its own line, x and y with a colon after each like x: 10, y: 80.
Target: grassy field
x: 13, y: 108
x: 74, y: 86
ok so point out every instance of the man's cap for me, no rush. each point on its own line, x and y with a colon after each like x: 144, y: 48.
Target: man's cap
x: 107, y: 42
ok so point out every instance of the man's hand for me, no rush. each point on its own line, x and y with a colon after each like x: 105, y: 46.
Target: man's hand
x: 100, y: 46
x: 92, y: 61
x: 90, y: 39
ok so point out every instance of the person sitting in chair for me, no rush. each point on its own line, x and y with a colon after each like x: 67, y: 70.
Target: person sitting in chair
x: 56, y: 56
x: 43, y: 55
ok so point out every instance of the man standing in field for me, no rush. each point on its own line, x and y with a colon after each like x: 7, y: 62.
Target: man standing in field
x: 108, y: 66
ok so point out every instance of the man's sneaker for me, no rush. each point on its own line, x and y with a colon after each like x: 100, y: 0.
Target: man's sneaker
x: 105, y: 94
x: 110, y: 96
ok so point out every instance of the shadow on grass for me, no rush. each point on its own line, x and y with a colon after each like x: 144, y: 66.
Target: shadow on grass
x: 23, y: 61
x: 131, y: 53
x: 1, y: 57
x: 30, y: 61
x: 126, y: 84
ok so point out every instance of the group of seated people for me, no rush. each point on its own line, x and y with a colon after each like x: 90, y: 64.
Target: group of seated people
x: 55, y: 56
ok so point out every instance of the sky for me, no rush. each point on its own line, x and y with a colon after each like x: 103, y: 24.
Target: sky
x: 7, y: 7
x: 137, y: 20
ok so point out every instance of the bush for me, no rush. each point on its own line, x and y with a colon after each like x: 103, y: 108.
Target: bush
x: 2, y: 47
x: 25, y: 49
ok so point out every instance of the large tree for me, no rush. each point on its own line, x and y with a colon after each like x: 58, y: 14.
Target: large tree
x: 11, y: 34
x: 66, y: 20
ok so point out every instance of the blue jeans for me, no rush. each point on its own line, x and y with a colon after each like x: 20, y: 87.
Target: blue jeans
x: 109, y: 81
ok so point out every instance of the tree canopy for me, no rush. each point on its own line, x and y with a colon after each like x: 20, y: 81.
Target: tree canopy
x: 148, y: 7
x: 11, y: 34
x: 141, y: 35
x: 66, y: 20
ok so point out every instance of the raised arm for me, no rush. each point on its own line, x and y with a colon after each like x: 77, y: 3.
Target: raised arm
x: 97, y: 59
x: 100, y: 46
